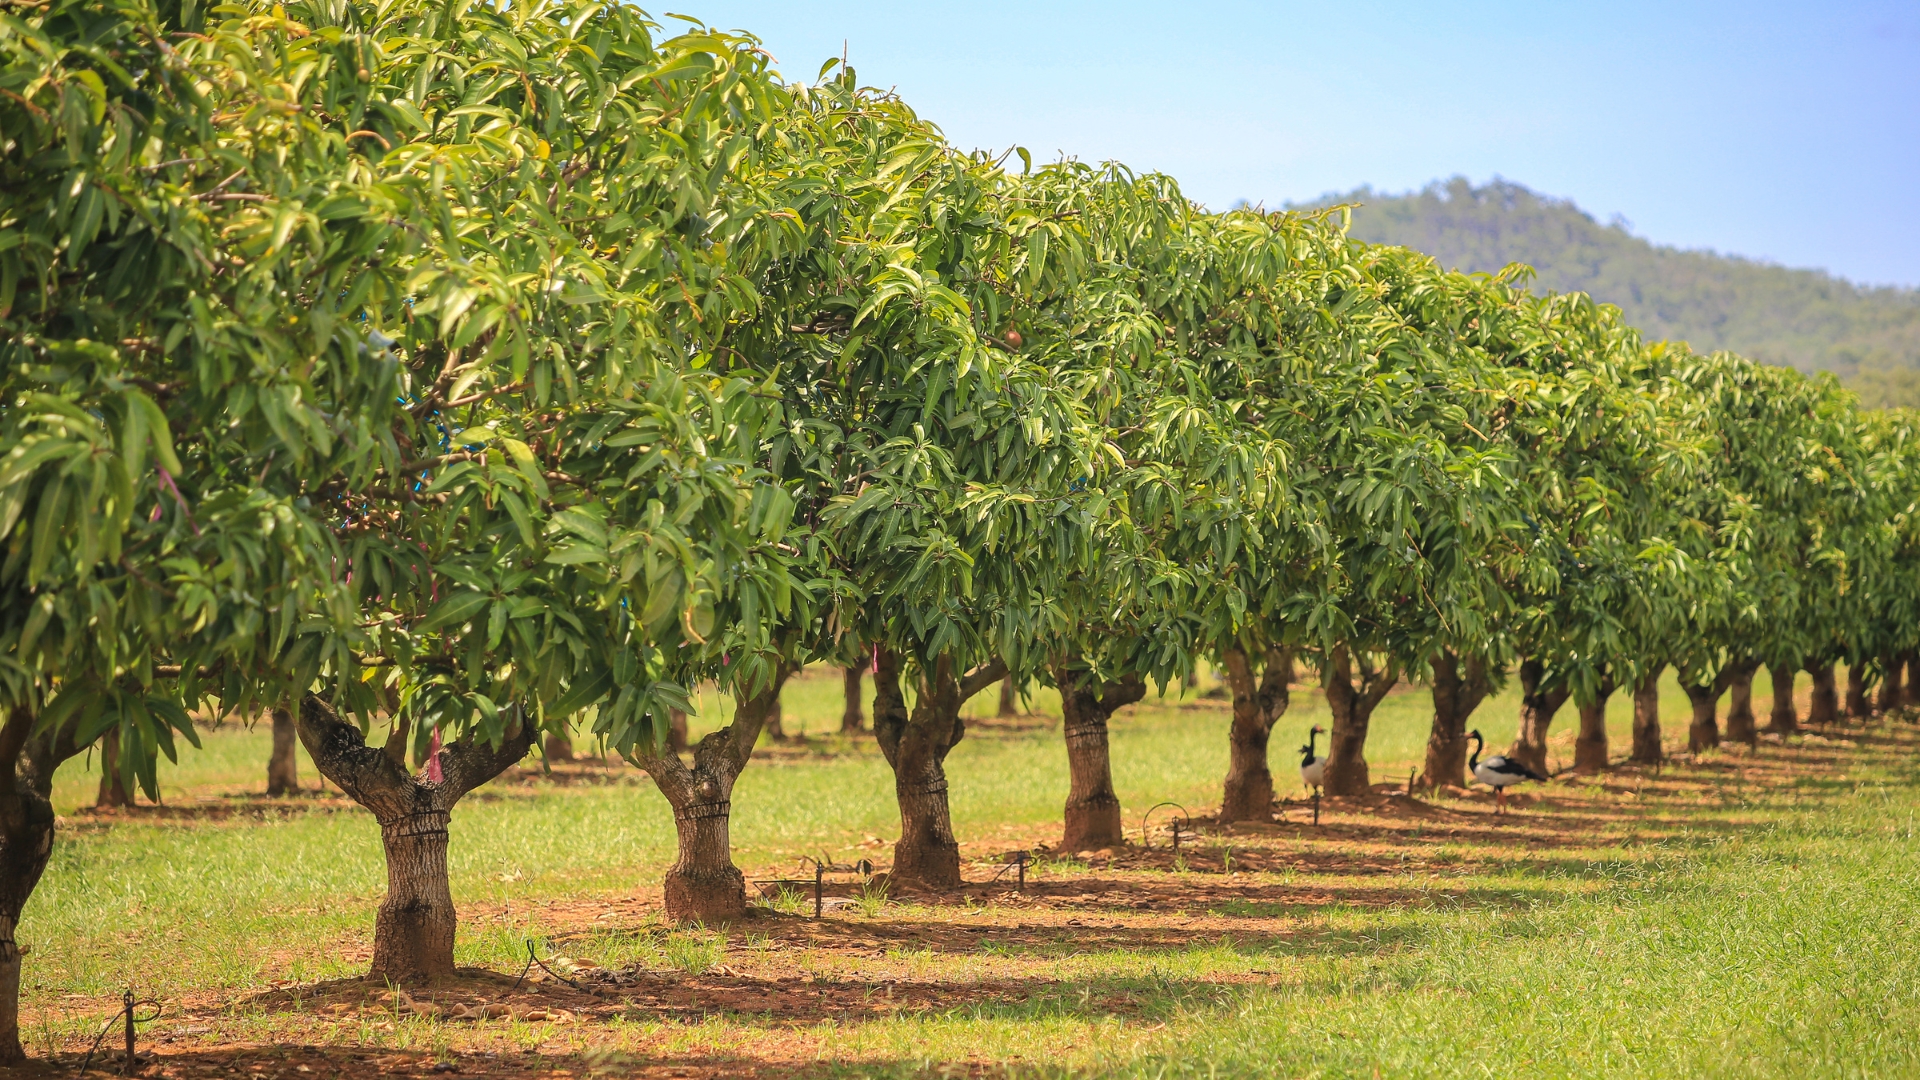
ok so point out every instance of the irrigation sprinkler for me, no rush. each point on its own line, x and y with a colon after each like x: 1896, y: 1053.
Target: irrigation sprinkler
x: 1185, y: 819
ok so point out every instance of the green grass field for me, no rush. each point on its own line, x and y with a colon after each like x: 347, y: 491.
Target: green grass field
x: 1748, y: 916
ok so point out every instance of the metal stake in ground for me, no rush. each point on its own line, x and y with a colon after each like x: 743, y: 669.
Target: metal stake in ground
x: 126, y: 1001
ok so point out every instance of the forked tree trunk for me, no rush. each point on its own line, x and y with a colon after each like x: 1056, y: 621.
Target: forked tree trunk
x: 559, y: 747
x: 1857, y: 707
x: 1703, y: 731
x: 852, y: 720
x: 1538, y: 706
x: 1093, y: 809
x: 1010, y: 700
x: 414, y: 930
x: 26, y: 840
x: 1646, y: 719
x: 1590, y: 750
x: 1824, y: 707
x: 1460, y: 684
x: 703, y: 885
x: 283, y: 764
x: 113, y: 787
x: 1352, y: 705
x: 1888, y: 700
x: 1784, y: 717
x: 916, y: 745
x: 1910, y: 694
x: 1259, y: 700
x: 1741, y: 727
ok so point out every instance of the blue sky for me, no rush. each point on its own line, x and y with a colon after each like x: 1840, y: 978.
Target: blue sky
x: 1779, y: 131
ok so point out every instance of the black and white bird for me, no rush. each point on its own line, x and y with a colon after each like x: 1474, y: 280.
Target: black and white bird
x: 1498, y: 772
x: 1313, y: 769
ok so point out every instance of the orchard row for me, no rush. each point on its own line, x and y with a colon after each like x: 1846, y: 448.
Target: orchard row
x: 446, y: 372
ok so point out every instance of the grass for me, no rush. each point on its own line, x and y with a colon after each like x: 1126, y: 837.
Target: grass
x: 1748, y: 913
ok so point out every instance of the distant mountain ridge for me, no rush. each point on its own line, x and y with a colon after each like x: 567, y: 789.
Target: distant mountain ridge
x: 1868, y: 336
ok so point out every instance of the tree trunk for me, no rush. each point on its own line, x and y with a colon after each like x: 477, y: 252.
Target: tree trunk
x: 27, y: 766
x: 1093, y: 810
x: 113, y: 787
x: 1910, y: 695
x: 414, y: 931
x: 851, y: 718
x: 916, y: 745
x: 1590, y: 751
x: 677, y: 730
x: 1537, y: 709
x: 1784, y: 717
x: 1888, y: 700
x: 775, y: 727
x: 1010, y: 701
x: 703, y: 885
x: 1646, y: 719
x: 283, y: 764
x: 1741, y: 726
x: 1857, y: 707
x: 1258, y: 703
x: 559, y: 747
x: 1456, y: 693
x: 1824, y: 708
x: 1704, y: 729
x: 1352, y: 706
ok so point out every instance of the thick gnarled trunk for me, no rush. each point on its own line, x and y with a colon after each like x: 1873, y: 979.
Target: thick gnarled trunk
x: 852, y: 719
x: 283, y: 763
x: 1092, y: 818
x: 1703, y: 729
x: 1824, y: 705
x: 1784, y: 717
x: 916, y: 745
x: 1352, y: 703
x: 27, y: 766
x: 1742, y: 726
x: 703, y: 885
x: 1539, y: 704
x: 1259, y: 700
x: 1460, y: 684
x: 413, y: 933
x: 1646, y: 719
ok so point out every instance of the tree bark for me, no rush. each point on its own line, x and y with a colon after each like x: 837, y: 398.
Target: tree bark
x: 1092, y: 817
x: 559, y: 747
x: 1888, y: 699
x: 1590, y: 750
x: 283, y: 764
x: 775, y: 726
x: 1537, y: 709
x: 414, y: 930
x: 1704, y: 729
x: 703, y: 885
x: 1824, y: 708
x: 1910, y: 695
x: 1258, y: 703
x: 1741, y: 726
x: 1352, y: 705
x: 916, y: 745
x: 113, y: 788
x: 27, y: 766
x: 1784, y: 717
x: 1459, y: 686
x: 1646, y: 719
x: 1010, y: 700
x: 677, y: 730
x: 1857, y: 707
x: 852, y: 721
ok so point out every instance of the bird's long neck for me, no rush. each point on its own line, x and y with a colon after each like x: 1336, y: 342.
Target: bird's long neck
x: 1474, y: 761
x: 1311, y: 736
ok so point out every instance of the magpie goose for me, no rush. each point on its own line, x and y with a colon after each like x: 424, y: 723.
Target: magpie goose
x: 1497, y: 772
x: 1312, y: 769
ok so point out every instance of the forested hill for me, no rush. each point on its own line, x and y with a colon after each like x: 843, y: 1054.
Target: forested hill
x: 1870, y: 337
